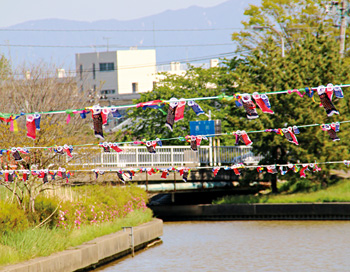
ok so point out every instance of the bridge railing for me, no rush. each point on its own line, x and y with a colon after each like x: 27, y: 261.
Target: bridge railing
x: 137, y: 156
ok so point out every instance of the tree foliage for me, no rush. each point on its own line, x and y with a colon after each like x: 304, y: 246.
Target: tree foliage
x: 4, y: 67
x: 292, y: 19
x: 197, y: 82
x: 314, y: 61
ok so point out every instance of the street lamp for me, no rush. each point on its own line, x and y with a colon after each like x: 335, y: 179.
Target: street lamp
x: 274, y: 30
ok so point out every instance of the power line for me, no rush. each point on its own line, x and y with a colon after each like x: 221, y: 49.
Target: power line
x: 208, y: 57
x: 113, y: 46
x: 166, y: 62
x: 117, y: 30
x: 137, y: 30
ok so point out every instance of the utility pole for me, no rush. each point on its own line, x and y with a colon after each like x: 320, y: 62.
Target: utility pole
x: 107, y: 38
x: 343, y: 27
x: 154, y: 35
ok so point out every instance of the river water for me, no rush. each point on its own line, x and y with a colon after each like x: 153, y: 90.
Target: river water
x: 245, y: 246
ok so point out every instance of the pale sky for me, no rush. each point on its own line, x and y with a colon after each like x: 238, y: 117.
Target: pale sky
x: 19, y: 11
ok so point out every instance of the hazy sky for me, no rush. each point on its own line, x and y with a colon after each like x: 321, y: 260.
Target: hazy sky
x: 18, y: 11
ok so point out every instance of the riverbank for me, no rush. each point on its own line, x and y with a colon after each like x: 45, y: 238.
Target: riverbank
x: 339, y: 192
x: 94, y: 253
x: 89, y: 212
x: 291, y: 211
x: 331, y: 203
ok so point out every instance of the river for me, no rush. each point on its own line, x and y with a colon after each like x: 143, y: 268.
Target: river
x: 245, y: 246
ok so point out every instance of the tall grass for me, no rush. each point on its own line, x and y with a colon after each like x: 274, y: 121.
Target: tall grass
x: 75, y: 215
x: 339, y: 192
x: 66, y: 193
x: 19, y: 246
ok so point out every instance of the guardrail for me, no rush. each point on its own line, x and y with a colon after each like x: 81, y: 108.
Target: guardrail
x: 137, y: 156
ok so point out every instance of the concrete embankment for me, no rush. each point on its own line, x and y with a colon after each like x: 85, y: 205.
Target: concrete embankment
x: 94, y: 253
x: 304, y: 211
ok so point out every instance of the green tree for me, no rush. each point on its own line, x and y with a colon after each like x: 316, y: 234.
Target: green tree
x: 311, y: 51
x: 4, y: 67
x: 292, y: 19
x: 312, y: 62
x: 311, y: 59
x: 197, y: 82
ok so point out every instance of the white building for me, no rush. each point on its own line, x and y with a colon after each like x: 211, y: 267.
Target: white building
x: 123, y: 74
x: 116, y: 74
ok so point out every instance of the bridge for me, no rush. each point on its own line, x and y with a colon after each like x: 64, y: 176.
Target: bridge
x: 200, y: 180
x: 138, y: 156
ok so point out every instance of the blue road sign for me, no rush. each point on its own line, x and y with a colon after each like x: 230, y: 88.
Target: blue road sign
x: 202, y: 128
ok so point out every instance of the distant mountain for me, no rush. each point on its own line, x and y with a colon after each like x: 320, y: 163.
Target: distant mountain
x: 226, y: 15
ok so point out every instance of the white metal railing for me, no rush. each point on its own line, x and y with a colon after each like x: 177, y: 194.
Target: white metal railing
x: 138, y: 156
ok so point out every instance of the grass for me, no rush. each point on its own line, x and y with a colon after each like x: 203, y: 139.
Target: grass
x: 24, y: 245
x: 339, y: 192
x: 64, y: 193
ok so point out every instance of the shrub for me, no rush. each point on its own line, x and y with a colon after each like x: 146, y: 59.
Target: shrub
x: 299, y: 185
x: 12, y: 218
x: 44, y: 207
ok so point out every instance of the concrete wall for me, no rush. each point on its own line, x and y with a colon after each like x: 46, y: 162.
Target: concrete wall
x: 136, y: 66
x: 130, y: 66
x: 104, y: 80
x: 305, y: 211
x: 93, y: 253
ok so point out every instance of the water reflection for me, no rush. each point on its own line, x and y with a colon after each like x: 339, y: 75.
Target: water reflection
x: 246, y: 246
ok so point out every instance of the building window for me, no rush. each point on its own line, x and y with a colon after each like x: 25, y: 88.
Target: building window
x: 81, y: 71
x: 107, y: 92
x: 106, y: 66
x: 93, y: 71
x: 135, y: 87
